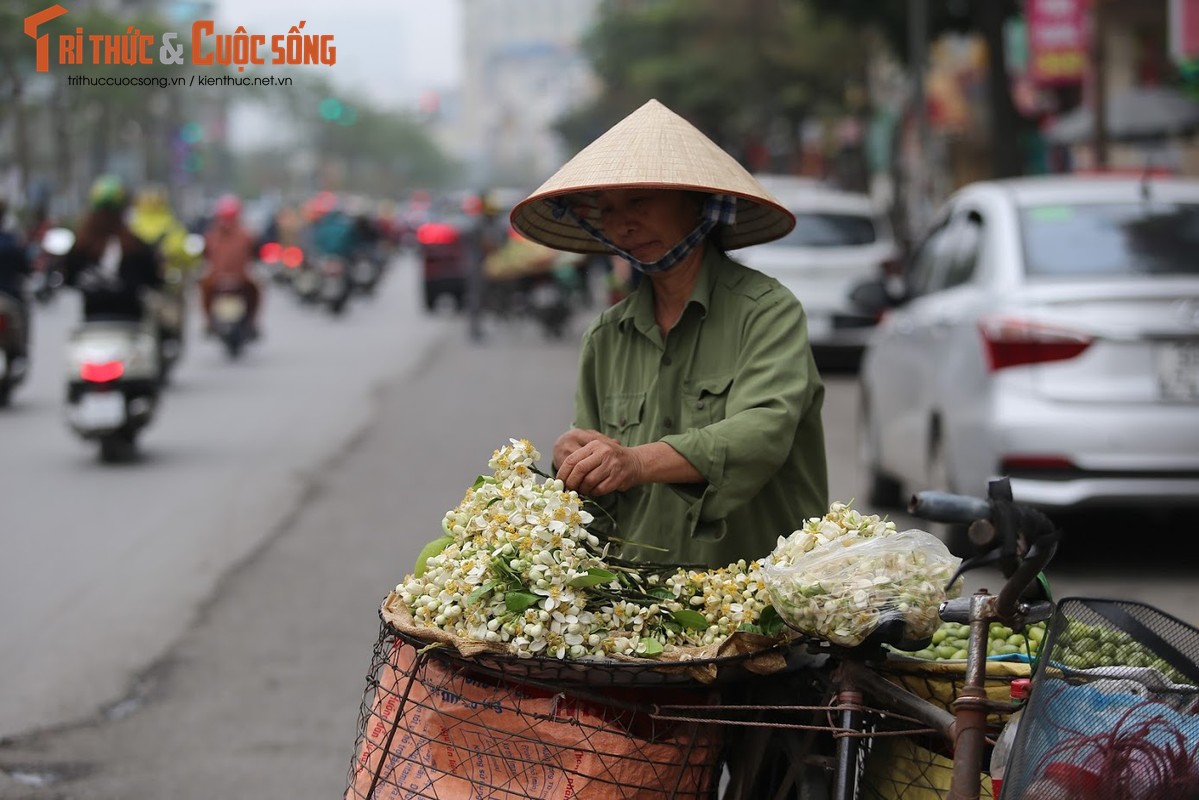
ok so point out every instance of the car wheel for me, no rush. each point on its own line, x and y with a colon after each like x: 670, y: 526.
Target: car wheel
x: 882, y: 491
x: 940, y: 477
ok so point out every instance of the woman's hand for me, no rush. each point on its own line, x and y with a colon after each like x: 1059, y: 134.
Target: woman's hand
x: 593, y: 464
x: 571, y: 441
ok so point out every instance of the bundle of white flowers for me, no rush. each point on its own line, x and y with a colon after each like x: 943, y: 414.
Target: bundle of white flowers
x: 840, y: 575
x: 518, y: 567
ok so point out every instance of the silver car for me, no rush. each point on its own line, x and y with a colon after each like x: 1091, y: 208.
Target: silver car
x: 840, y: 239
x: 1050, y: 333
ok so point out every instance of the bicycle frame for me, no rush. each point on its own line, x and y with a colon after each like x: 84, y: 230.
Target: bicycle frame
x: 964, y: 729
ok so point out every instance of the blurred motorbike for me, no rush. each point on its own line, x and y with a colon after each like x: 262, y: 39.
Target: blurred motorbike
x: 13, y: 338
x: 306, y: 281
x: 112, y: 384
x: 548, y: 300
x: 281, y: 262
x: 367, y: 270
x: 46, y: 278
x: 113, y: 375
x: 231, y: 316
x: 335, y: 285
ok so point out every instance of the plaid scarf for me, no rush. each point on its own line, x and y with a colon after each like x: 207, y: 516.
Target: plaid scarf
x: 719, y: 209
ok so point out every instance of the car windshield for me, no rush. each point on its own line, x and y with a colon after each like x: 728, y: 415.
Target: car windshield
x: 1111, y: 239
x: 829, y: 230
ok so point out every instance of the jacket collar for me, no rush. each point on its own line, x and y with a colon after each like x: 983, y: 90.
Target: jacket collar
x: 639, y: 310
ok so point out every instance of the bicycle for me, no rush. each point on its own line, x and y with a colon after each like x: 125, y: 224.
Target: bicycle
x: 1017, y: 539
x: 524, y: 725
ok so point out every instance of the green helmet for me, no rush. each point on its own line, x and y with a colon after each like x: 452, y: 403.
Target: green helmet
x: 108, y: 191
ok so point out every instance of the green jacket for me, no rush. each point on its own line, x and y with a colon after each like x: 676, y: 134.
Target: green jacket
x: 734, y: 389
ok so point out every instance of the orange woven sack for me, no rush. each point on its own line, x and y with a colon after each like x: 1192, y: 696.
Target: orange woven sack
x: 436, y: 729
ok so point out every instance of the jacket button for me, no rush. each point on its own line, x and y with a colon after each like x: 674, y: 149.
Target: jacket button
x: 699, y: 404
x: 666, y: 361
x: 668, y: 422
x: 624, y: 421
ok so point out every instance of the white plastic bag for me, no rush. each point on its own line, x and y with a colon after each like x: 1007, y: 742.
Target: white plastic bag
x: 840, y: 589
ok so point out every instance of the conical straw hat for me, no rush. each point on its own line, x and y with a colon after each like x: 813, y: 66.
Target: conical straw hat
x: 652, y: 147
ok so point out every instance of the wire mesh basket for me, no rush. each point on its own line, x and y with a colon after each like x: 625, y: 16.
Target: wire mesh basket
x: 436, y: 725
x: 1114, y: 707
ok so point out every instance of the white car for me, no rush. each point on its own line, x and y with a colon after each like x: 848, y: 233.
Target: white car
x: 1050, y: 333
x: 840, y: 239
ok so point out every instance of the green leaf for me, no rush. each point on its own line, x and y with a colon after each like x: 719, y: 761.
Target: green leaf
x: 594, y: 577
x: 519, y: 601
x: 690, y: 619
x: 649, y: 647
x: 428, y: 551
x: 770, y: 622
x: 479, y: 481
x: 749, y: 627
x: 661, y: 592
x: 480, y: 593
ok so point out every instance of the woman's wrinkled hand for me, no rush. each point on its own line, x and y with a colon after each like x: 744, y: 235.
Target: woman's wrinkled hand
x: 593, y: 464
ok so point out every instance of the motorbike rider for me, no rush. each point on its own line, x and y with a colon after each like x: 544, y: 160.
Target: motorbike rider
x: 230, y: 250
x: 110, y: 265
x: 152, y: 221
x: 332, y: 231
x: 14, y: 271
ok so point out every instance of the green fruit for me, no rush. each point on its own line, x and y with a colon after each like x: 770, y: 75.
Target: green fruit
x: 431, y: 549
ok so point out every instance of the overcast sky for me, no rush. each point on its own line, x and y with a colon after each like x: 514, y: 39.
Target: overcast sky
x: 392, y: 49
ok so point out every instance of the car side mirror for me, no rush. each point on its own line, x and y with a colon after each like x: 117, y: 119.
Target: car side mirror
x: 877, y: 295
x: 58, y: 241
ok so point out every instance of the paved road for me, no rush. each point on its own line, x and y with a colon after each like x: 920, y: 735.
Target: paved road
x: 104, y: 565
x: 256, y: 694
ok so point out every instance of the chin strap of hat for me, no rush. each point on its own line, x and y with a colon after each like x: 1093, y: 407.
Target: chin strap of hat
x: 719, y: 209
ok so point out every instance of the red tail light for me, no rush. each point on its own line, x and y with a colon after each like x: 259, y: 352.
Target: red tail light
x: 1011, y: 342
x: 3, y: 322
x: 270, y: 252
x: 101, y: 373
x: 436, y: 233
x: 292, y: 256
x: 1035, y: 463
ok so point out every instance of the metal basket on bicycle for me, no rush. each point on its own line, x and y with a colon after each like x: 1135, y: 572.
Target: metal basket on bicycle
x: 437, y: 723
x: 1114, y: 708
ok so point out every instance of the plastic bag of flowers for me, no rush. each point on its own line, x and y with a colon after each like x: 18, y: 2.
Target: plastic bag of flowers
x: 838, y: 577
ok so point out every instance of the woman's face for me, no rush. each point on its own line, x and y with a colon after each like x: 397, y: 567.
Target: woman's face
x: 646, y: 223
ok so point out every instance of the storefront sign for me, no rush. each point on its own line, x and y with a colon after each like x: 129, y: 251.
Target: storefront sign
x: 1058, y: 38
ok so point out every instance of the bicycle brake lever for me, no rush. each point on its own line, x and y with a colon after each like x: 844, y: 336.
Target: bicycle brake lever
x: 974, y: 562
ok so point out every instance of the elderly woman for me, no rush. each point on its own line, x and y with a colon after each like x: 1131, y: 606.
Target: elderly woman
x: 697, y: 413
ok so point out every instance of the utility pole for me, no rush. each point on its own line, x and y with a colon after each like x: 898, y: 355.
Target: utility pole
x: 1100, y: 22
x: 918, y: 172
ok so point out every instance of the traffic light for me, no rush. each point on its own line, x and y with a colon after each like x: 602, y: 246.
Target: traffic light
x: 334, y: 110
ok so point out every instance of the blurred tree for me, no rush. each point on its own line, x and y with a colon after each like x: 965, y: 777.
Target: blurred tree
x: 72, y: 132
x: 375, y: 151
x: 748, y: 74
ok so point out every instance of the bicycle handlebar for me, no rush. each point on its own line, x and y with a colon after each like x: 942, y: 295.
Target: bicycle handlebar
x: 946, y: 507
x: 1026, y: 539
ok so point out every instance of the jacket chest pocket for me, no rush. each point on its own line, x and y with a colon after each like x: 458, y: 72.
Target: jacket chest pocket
x: 621, y: 415
x: 705, y: 400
